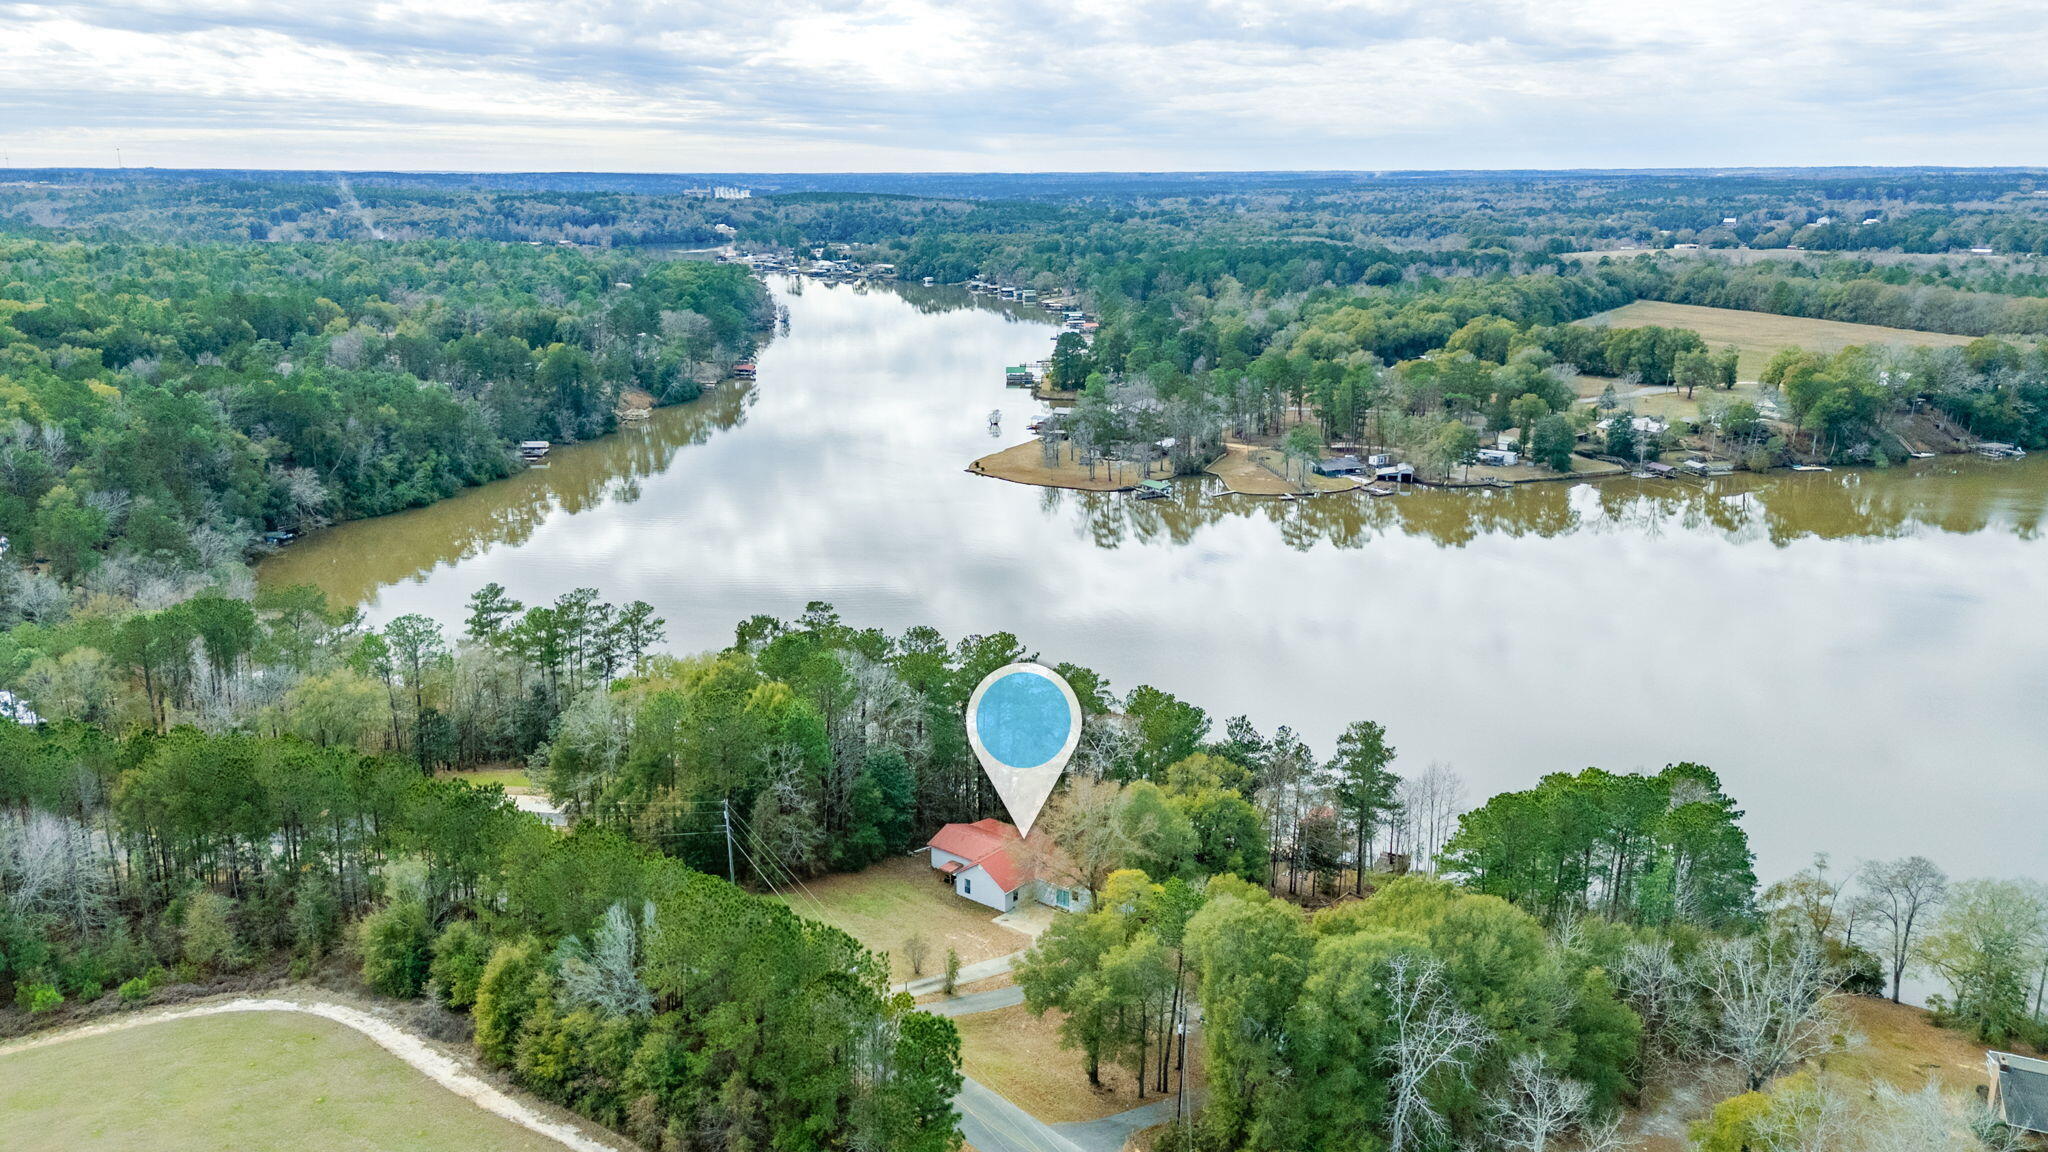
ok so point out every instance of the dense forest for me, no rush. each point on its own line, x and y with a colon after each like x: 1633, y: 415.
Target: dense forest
x: 161, y: 405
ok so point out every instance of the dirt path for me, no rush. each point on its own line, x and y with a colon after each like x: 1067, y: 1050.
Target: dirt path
x: 439, y: 1067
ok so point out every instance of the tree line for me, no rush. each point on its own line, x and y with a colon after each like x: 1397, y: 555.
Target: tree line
x: 160, y: 406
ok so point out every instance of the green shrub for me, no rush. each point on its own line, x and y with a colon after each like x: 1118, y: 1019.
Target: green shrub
x: 513, y: 982
x: 136, y: 991
x: 37, y: 996
x: 460, y: 953
x: 207, y: 932
x: 314, y: 920
x: 397, y: 945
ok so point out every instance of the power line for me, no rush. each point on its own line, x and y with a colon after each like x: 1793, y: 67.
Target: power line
x: 766, y: 878
x: 787, y: 872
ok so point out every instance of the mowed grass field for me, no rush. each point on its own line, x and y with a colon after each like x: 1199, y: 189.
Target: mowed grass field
x: 1759, y: 335
x: 239, y: 1081
x: 1020, y: 1057
x: 884, y: 905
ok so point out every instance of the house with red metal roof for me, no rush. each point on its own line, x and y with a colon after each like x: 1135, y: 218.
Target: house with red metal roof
x: 989, y: 863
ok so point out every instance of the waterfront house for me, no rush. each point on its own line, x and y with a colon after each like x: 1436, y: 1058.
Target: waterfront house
x: 2019, y: 1091
x: 989, y: 863
x: 1340, y: 466
x: 1499, y: 457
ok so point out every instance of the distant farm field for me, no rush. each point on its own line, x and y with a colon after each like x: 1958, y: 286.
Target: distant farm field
x: 1759, y: 335
x: 244, y: 1080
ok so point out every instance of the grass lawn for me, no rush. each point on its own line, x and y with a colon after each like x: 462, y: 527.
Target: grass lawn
x: 884, y: 905
x: 1025, y: 464
x: 508, y: 777
x: 1903, y: 1047
x: 243, y: 1080
x: 1758, y: 335
x: 1018, y: 1055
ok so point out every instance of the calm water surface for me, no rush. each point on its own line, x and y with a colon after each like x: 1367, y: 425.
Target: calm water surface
x: 1862, y: 655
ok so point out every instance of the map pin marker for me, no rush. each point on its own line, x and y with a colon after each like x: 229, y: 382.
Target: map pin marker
x: 1023, y: 722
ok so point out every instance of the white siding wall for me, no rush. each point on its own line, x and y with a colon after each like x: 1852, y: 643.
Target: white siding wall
x: 977, y: 885
x: 1049, y: 894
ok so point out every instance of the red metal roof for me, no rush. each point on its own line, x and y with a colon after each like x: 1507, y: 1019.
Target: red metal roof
x: 992, y: 845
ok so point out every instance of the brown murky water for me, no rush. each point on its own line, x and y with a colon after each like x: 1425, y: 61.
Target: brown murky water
x: 1863, y: 655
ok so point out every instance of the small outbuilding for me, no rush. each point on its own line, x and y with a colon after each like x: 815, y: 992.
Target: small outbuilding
x: 2019, y: 1091
x: 1340, y: 466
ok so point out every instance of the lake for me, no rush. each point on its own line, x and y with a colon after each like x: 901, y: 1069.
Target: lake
x: 1862, y: 655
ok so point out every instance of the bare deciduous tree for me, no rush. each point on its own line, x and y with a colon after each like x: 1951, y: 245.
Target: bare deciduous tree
x: 605, y: 973
x: 1897, y: 894
x: 1768, y: 1001
x: 1431, y: 803
x: 52, y: 866
x: 1533, y: 1108
x: 1431, y: 1035
x: 917, y: 950
x: 1666, y: 997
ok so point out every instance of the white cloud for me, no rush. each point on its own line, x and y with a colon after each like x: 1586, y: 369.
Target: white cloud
x: 1022, y: 84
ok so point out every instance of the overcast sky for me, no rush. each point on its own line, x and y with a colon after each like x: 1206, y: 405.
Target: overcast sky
x: 1022, y: 85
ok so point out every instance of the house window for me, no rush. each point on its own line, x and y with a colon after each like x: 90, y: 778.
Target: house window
x: 1061, y: 896
x: 967, y: 885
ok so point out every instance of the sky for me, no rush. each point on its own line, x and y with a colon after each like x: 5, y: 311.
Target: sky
x: 1020, y: 85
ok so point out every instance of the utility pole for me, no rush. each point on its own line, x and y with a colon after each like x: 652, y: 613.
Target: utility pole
x: 725, y: 810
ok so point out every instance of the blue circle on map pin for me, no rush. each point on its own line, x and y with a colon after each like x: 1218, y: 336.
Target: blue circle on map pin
x: 1023, y: 722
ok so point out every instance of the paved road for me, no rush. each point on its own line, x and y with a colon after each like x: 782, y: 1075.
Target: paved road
x: 1109, y: 1133
x: 1645, y: 390
x: 969, y: 973
x: 974, y: 1002
x: 993, y: 1124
